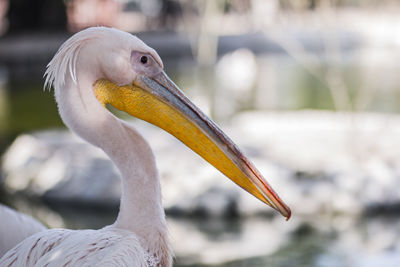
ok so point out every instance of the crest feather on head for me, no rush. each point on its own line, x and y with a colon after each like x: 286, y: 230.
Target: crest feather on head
x: 65, y: 60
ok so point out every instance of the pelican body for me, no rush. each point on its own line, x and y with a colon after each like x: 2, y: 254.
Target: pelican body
x: 100, y: 66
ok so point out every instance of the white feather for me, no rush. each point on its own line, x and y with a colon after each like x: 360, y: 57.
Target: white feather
x: 61, y: 247
x: 15, y: 227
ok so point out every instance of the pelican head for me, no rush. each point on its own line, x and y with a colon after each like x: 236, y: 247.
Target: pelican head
x: 124, y: 72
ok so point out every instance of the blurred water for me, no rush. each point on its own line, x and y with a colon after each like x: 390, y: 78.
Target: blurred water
x: 320, y: 240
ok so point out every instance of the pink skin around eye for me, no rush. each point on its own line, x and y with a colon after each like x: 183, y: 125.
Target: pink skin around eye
x: 149, y: 68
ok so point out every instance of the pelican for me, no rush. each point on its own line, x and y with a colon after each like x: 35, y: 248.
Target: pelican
x: 102, y: 66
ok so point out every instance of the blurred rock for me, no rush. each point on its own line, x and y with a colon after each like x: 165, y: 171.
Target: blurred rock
x: 316, y: 161
x: 342, y: 162
x: 59, y: 166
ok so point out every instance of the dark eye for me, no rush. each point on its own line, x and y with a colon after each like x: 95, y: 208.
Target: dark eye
x: 143, y: 59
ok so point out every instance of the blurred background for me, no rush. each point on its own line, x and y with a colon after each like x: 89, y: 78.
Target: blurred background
x: 309, y: 89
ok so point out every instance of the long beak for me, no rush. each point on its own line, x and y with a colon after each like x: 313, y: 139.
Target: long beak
x: 159, y: 101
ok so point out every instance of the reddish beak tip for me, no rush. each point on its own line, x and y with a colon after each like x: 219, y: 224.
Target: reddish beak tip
x: 289, y: 214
